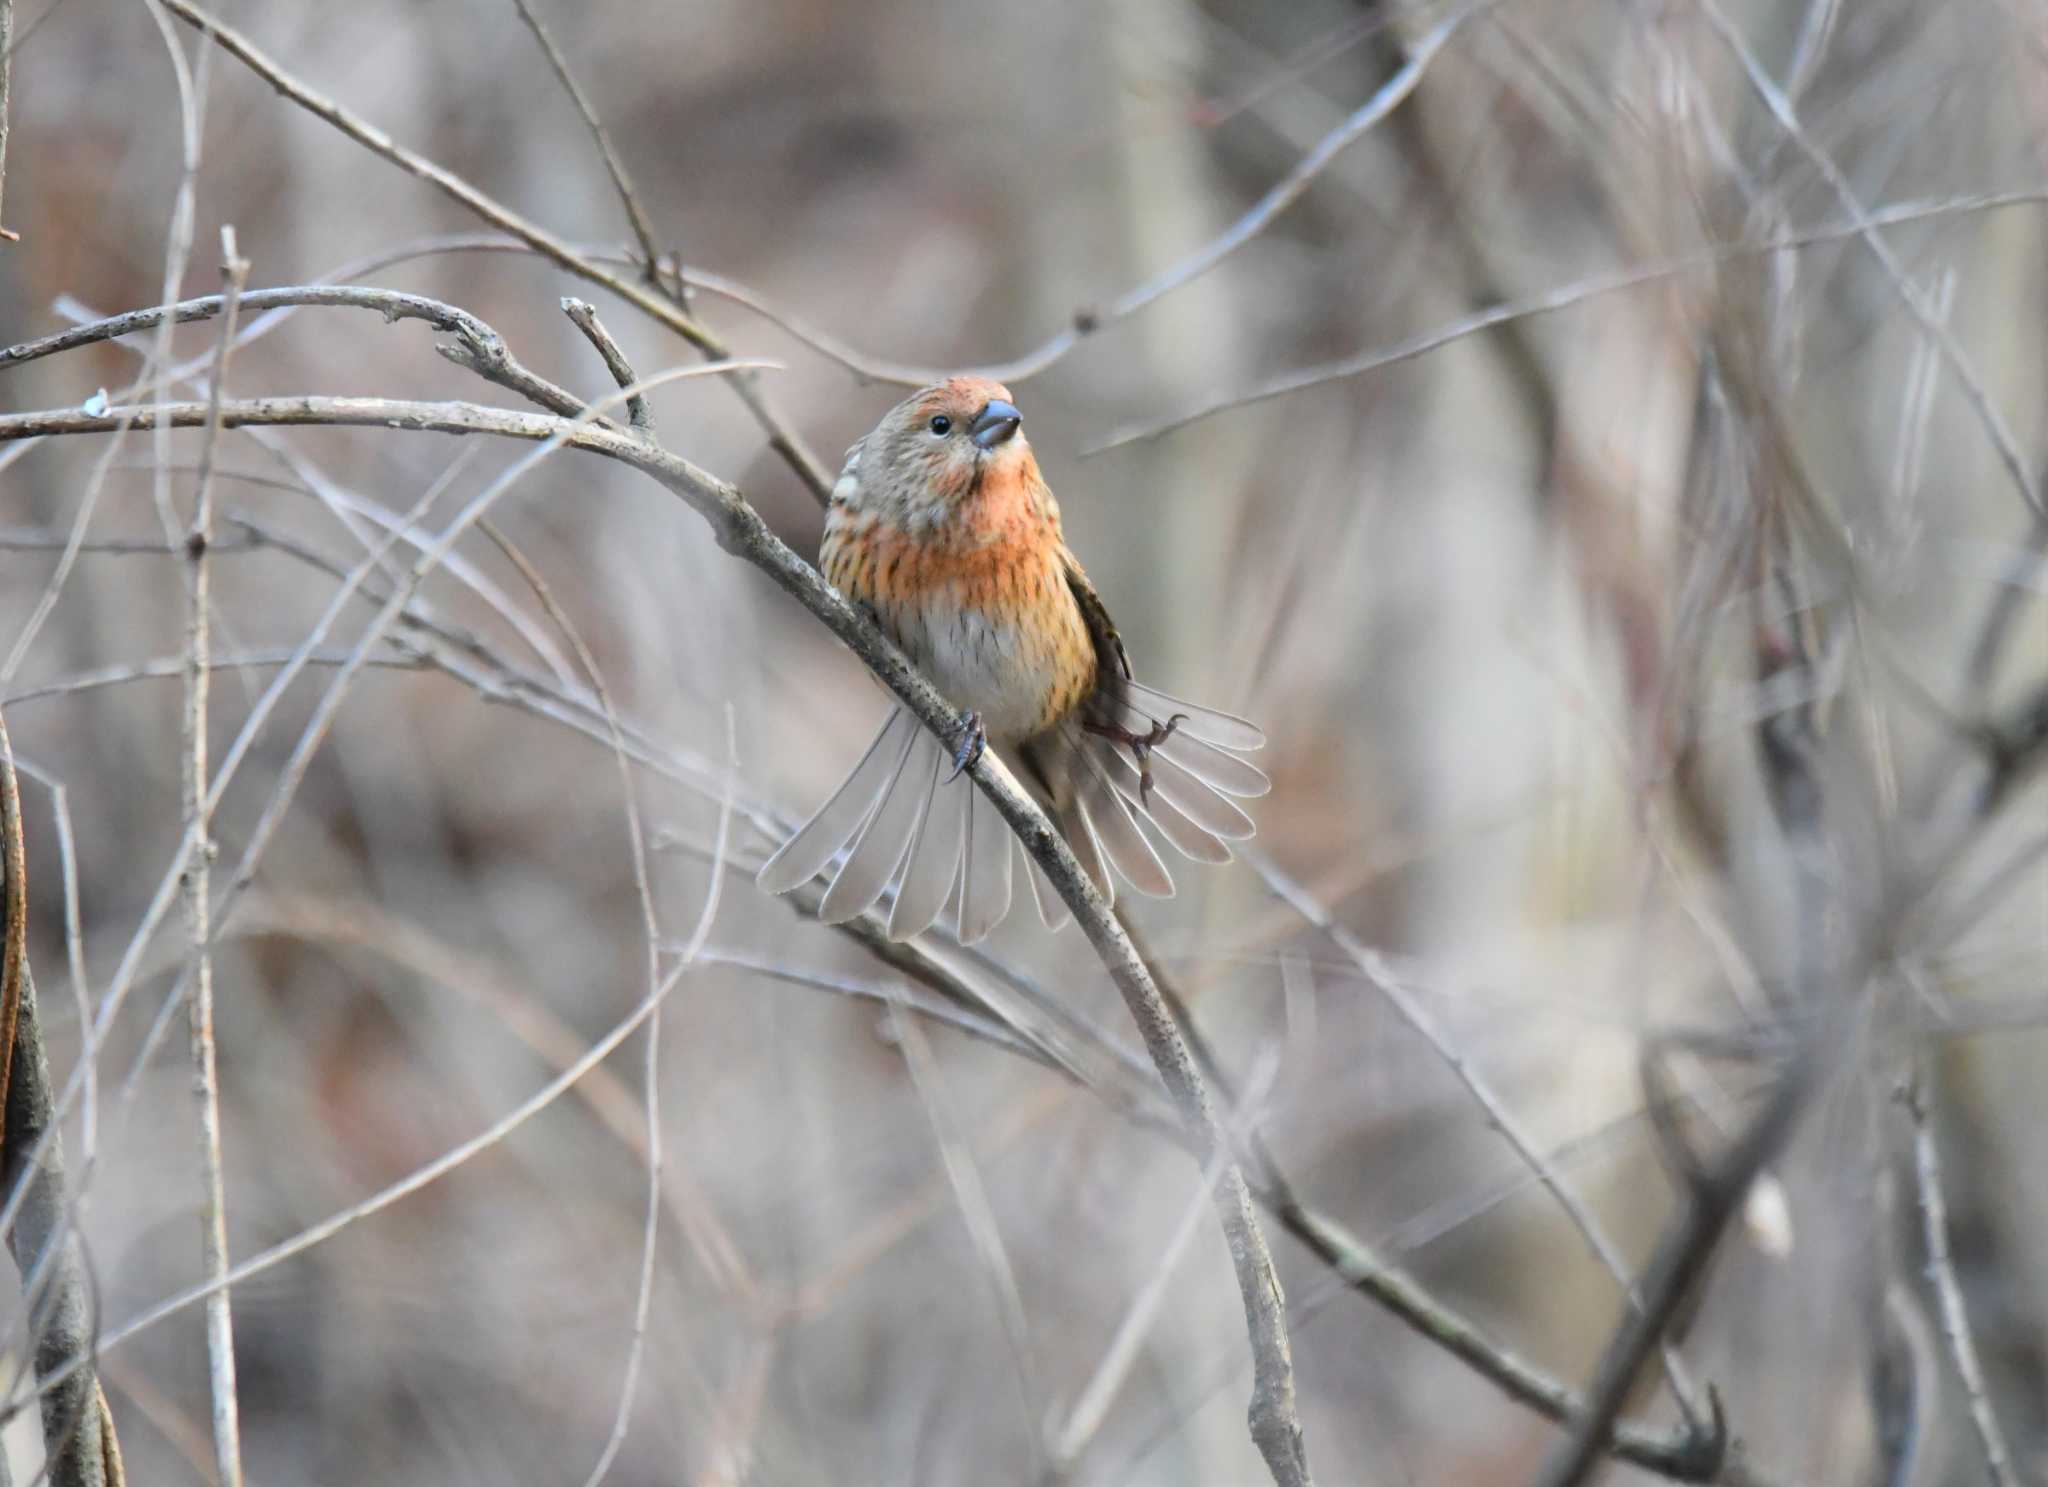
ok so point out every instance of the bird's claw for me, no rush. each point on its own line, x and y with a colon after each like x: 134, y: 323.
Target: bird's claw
x: 973, y: 743
x: 1141, y: 746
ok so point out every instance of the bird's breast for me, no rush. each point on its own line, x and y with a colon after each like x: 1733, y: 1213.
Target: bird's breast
x: 993, y: 625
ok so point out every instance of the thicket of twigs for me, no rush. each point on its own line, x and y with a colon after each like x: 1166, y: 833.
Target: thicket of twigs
x: 1599, y: 441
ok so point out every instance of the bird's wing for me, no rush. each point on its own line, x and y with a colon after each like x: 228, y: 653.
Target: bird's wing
x: 896, y: 825
x: 1113, y: 795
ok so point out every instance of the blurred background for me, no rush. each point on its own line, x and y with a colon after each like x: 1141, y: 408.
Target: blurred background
x: 1614, y: 652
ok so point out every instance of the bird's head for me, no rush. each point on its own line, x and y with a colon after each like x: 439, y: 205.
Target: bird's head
x: 942, y: 447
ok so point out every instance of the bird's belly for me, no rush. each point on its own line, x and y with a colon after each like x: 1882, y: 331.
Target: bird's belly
x: 1011, y: 674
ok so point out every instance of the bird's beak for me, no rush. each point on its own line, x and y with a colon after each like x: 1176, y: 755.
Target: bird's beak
x: 994, y: 424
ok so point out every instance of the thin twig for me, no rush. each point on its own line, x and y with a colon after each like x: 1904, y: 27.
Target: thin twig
x: 976, y: 1213
x: 1544, y: 302
x: 6, y: 71
x: 1091, y: 1405
x: 2003, y: 441
x: 491, y: 989
x: 14, y: 925
x: 178, y: 244
x: 1901, y: 1384
x: 742, y: 374
x: 583, y: 315
x: 1381, y: 975
x: 651, y: 926
x: 46, y: 602
x: 198, y: 880
x: 476, y: 347
x: 252, y: 726
x: 1941, y: 1270
x: 1712, y: 1201
x: 636, y: 214
x: 167, y: 668
x: 1088, y: 320
x: 317, y: 1234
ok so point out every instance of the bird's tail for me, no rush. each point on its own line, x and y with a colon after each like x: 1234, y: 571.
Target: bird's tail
x: 1113, y: 796
x: 904, y: 830
x: 900, y: 829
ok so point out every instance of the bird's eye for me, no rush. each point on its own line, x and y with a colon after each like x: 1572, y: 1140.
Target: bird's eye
x: 941, y: 425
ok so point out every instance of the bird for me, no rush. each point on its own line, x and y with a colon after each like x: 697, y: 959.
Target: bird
x: 942, y: 529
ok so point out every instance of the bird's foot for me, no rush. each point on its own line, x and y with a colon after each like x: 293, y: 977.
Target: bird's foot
x: 973, y: 743
x: 1141, y: 746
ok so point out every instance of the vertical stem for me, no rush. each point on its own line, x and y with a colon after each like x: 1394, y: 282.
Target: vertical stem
x: 220, y: 1324
x: 6, y: 68
x: 1941, y: 1269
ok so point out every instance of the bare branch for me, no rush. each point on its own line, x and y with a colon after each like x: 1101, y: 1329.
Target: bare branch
x: 1087, y: 320
x: 178, y: 245
x: 6, y: 71
x: 650, y: 921
x: 583, y: 315
x: 376, y: 1203
x: 198, y: 879
x: 643, y: 228
x: 476, y: 347
x: 1546, y: 302
x: 1910, y: 294
x: 983, y: 1232
x: 1382, y: 976
x: 1681, y: 1258
x: 1091, y: 1406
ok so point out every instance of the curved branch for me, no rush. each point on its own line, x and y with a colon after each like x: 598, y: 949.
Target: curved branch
x: 476, y: 347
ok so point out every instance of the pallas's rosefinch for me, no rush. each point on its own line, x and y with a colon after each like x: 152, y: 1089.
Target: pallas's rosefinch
x: 943, y: 529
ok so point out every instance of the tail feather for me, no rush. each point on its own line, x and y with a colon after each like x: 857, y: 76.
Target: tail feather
x: 1080, y: 833
x: 1188, y: 839
x: 1195, y: 799
x: 905, y: 829
x: 1123, y: 840
x: 1225, y: 730
x: 985, y: 885
x: 1052, y: 909
x: 1059, y: 764
x: 932, y: 865
x: 804, y: 855
x: 1213, y: 767
x: 879, y: 849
